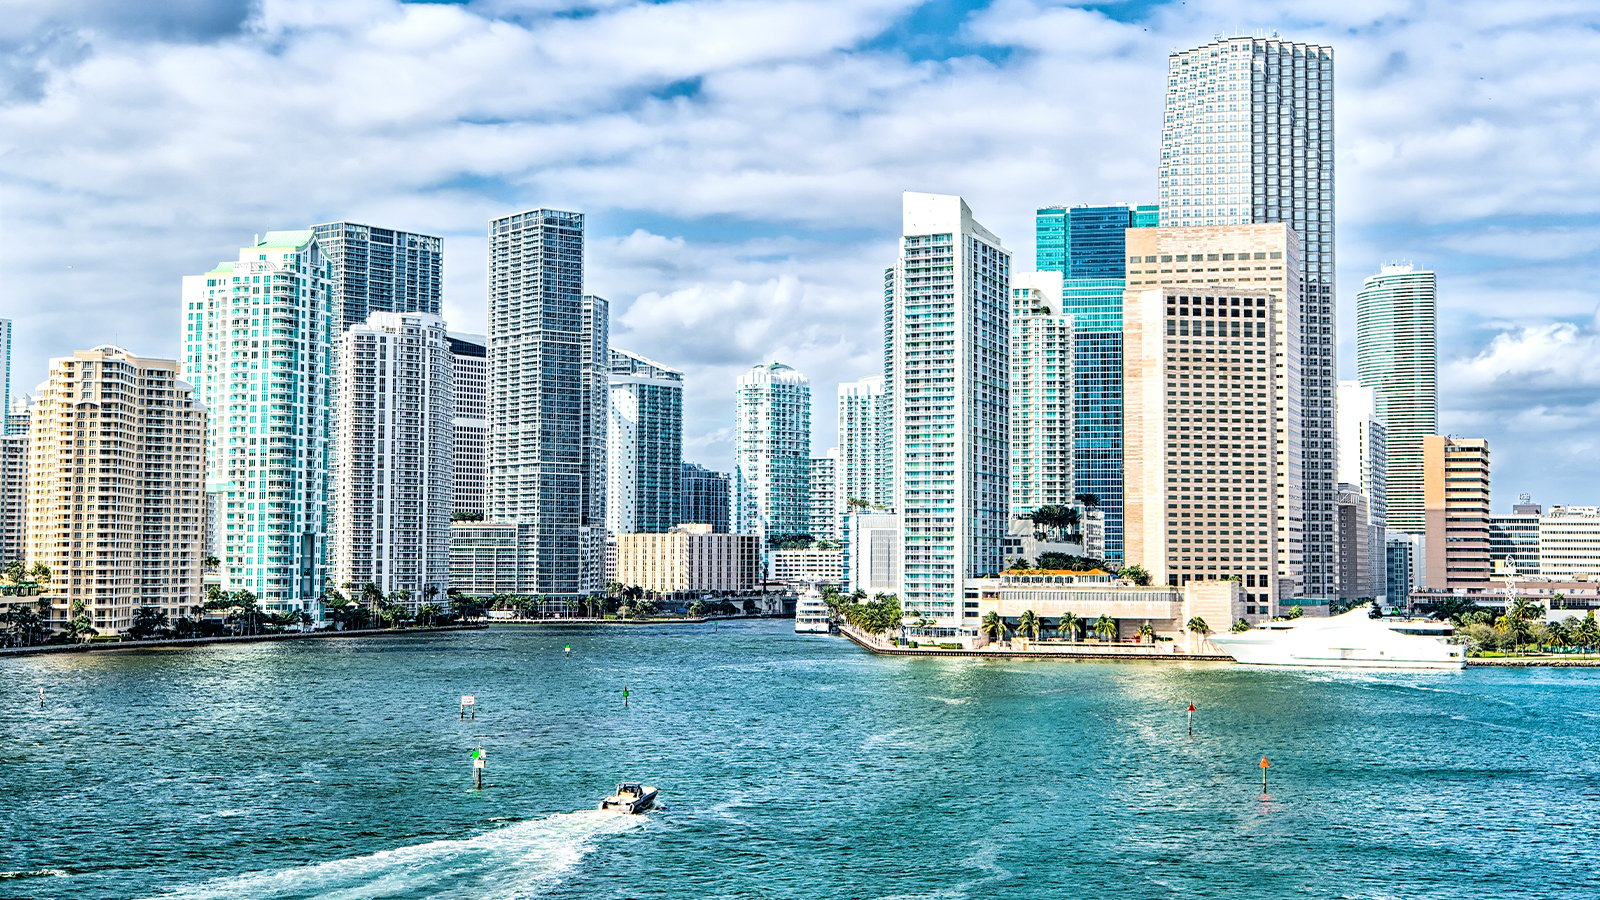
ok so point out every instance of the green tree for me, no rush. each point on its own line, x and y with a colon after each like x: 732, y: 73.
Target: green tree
x: 148, y: 621
x: 15, y: 571
x: 1587, y: 632
x: 466, y: 515
x: 1296, y: 612
x: 1089, y: 501
x: 993, y: 627
x: 1068, y: 626
x: 1240, y: 625
x: 1028, y: 625
x: 1105, y: 627
x: 1454, y: 608
x: 429, y: 614
x: 1147, y: 633
x: 1135, y: 574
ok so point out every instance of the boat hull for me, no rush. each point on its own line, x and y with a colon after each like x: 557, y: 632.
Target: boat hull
x: 630, y: 805
x: 1352, y: 640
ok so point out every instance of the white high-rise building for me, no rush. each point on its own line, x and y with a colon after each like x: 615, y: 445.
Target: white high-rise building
x: 824, y: 493
x: 1248, y: 139
x: 5, y: 366
x: 1041, y: 394
x: 1363, y: 466
x: 258, y: 348
x: 949, y: 367
x: 866, y: 470
x: 13, y: 496
x: 644, y: 453
x: 116, y: 499
x: 772, y: 452
x: 1569, y: 542
x: 394, y: 484
x: 547, y: 400
x: 471, y: 363
x: 1397, y: 356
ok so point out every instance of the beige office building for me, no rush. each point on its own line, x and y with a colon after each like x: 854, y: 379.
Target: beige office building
x: 116, y: 487
x: 1455, y: 505
x: 1212, y: 437
x: 689, y: 558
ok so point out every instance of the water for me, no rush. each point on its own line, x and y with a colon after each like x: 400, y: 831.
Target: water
x: 791, y: 767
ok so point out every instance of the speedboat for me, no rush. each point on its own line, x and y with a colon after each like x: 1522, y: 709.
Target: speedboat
x: 630, y: 798
x: 1350, y: 640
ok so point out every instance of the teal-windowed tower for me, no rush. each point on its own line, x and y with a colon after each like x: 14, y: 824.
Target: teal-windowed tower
x: 258, y: 349
x: 1087, y: 244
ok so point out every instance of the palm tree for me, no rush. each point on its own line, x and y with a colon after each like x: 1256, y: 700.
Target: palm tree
x: 1028, y: 625
x: 1136, y: 574
x: 1241, y: 625
x: 1587, y: 633
x: 1105, y: 627
x: 1068, y: 626
x: 1147, y: 632
x: 1089, y: 501
x: 993, y: 627
x: 1197, y: 625
x: 147, y: 621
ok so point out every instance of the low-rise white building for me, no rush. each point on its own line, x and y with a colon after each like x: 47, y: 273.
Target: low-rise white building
x: 807, y: 566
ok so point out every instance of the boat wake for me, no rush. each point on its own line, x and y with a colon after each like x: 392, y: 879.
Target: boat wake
x: 511, y: 863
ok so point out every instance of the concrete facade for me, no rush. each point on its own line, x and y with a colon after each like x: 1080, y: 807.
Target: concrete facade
x: 689, y: 558
x: 1455, y: 474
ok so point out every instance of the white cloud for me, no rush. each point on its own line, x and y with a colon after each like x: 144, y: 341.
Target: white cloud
x: 741, y: 160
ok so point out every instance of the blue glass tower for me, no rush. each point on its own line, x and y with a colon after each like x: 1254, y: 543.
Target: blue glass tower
x: 1087, y: 244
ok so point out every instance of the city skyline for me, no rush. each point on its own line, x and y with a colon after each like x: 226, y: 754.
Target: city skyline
x: 801, y: 244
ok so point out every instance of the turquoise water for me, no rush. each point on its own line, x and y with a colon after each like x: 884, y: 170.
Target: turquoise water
x: 791, y: 766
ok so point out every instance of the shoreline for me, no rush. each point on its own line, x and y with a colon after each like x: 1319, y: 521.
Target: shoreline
x: 1091, y: 655
x: 180, y: 643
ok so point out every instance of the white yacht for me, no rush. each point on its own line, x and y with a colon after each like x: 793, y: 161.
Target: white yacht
x: 810, y: 613
x: 1351, y: 640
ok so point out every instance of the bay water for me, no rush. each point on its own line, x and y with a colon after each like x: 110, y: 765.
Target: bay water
x: 790, y: 766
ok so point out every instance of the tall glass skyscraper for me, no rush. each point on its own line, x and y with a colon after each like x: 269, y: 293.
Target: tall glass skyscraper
x: 772, y: 452
x: 1397, y: 355
x: 258, y: 349
x: 705, y: 497
x: 1248, y: 139
x: 380, y: 270
x: 644, y: 452
x: 543, y: 400
x: 1041, y: 394
x: 950, y: 370
x: 1085, y: 244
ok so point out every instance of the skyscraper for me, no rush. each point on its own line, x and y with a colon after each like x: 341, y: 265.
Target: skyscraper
x: 824, y: 493
x: 13, y: 496
x: 1363, y: 467
x: 644, y: 456
x: 772, y: 452
x: 542, y: 399
x: 380, y: 270
x: 469, y: 357
x: 1248, y: 138
x: 705, y: 497
x: 865, y: 471
x: 394, y: 484
x: 949, y: 369
x: 1455, y: 478
x: 1213, y: 431
x: 1086, y: 244
x: 1041, y: 394
x: 1397, y: 355
x: 258, y: 349
x: 5, y: 366
x: 131, y: 533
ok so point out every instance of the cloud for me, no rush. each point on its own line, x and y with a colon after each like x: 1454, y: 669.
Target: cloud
x: 741, y: 161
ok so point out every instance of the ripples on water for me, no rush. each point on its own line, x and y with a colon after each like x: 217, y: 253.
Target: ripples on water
x: 792, y: 766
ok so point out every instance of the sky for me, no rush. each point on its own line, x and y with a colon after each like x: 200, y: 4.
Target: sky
x: 740, y: 164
